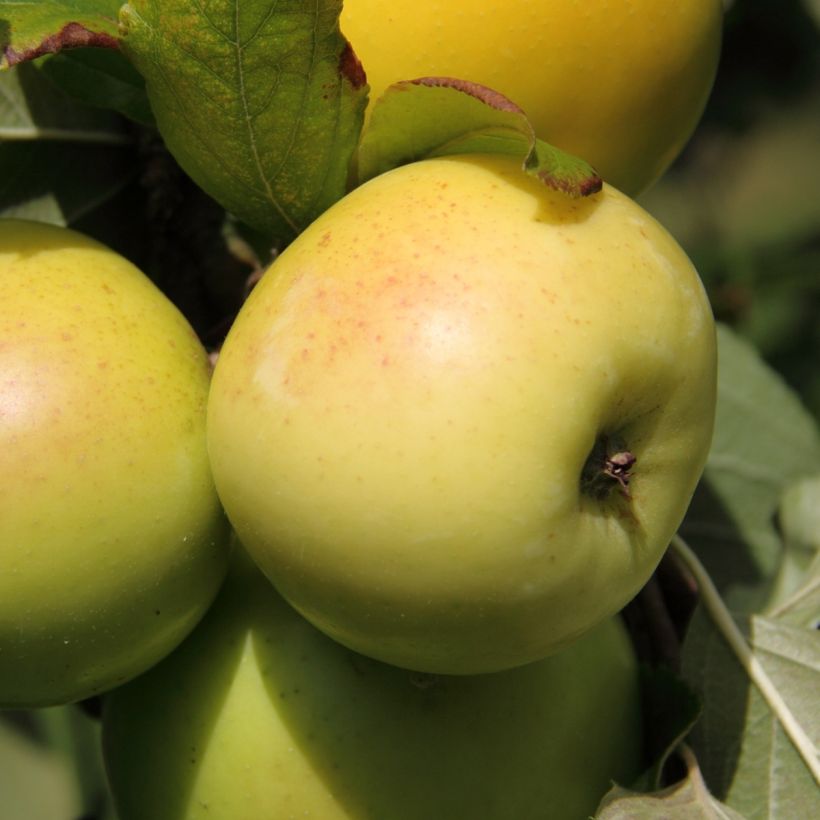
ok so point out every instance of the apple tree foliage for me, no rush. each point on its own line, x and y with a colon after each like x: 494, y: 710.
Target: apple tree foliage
x: 199, y: 139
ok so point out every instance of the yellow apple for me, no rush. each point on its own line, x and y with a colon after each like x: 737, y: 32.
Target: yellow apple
x: 258, y: 716
x: 112, y: 539
x: 461, y: 416
x: 621, y: 84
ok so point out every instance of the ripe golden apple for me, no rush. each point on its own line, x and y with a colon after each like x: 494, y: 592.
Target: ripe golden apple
x: 461, y: 416
x: 258, y: 715
x: 112, y: 539
x: 621, y: 83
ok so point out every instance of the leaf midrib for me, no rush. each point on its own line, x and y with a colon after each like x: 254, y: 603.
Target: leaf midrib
x: 257, y: 160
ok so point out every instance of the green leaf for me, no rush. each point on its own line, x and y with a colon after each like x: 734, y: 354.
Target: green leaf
x: 51, y: 766
x: 800, y: 514
x: 58, y: 160
x: 687, y: 800
x: 30, y: 29
x: 440, y: 116
x: 746, y: 756
x: 758, y: 205
x: 261, y: 103
x: 764, y: 440
x: 802, y: 607
x: 756, y: 752
x: 58, y: 183
x: 31, y: 108
x: 101, y: 78
x: 796, y: 598
x: 35, y: 783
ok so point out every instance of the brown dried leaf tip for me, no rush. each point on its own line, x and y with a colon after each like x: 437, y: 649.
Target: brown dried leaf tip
x: 71, y: 35
x: 488, y: 96
x: 586, y: 186
x: 351, y: 68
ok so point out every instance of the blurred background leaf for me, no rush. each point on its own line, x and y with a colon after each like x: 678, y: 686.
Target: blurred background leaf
x: 59, y: 160
x: 764, y: 440
x: 51, y: 766
x: 744, y: 198
x: 100, y: 77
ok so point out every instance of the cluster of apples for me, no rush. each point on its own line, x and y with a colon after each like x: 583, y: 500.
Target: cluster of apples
x: 456, y: 425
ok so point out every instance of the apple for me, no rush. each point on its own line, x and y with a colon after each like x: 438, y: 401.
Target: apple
x: 461, y: 416
x: 621, y: 84
x: 259, y: 715
x: 112, y: 539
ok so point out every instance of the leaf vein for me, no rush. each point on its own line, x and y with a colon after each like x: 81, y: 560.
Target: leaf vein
x: 249, y: 125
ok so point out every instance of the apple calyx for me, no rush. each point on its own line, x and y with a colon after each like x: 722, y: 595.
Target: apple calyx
x: 609, y: 465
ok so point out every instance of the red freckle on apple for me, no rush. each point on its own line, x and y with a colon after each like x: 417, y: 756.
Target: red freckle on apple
x: 305, y: 353
x: 385, y: 361
x: 325, y: 240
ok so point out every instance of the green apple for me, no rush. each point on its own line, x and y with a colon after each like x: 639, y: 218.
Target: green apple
x: 259, y: 715
x: 621, y: 84
x: 461, y: 416
x: 112, y: 538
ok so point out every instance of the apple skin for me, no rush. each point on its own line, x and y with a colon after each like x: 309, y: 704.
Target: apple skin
x: 112, y: 538
x: 621, y: 84
x: 402, y: 411
x: 259, y: 715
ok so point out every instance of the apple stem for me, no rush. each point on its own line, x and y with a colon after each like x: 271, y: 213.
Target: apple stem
x: 607, y: 467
